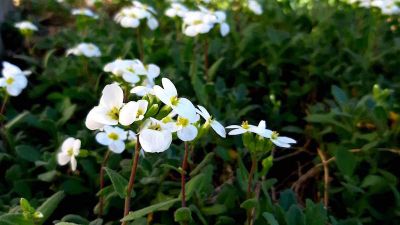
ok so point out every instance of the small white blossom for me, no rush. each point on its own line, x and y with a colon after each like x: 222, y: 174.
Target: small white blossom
x: 185, y: 129
x: 133, y: 111
x: 128, y: 69
x: 14, y: 79
x: 255, y: 7
x: 283, y: 142
x: 86, y: 49
x: 129, y: 17
x: 155, y: 136
x: 26, y: 26
x: 84, y: 12
x: 169, y: 96
x: 215, y: 125
x: 69, y: 150
x: 176, y: 9
x: 113, y: 137
x: 108, y: 110
x: 246, y: 127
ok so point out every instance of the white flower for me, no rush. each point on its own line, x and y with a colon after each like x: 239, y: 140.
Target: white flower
x: 185, y: 129
x: 14, y: 80
x: 283, y: 142
x: 197, y: 22
x: 176, y: 9
x: 113, y: 137
x: 69, y: 150
x: 216, y: 126
x: 144, y: 89
x: 133, y: 111
x: 130, y: 16
x: 128, y: 69
x: 255, y: 7
x: 84, y: 12
x: 108, y: 110
x: 86, y: 49
x: 155, y: 136
x: 245, y: 127
x: 169, y: 96
x: 26, y: 26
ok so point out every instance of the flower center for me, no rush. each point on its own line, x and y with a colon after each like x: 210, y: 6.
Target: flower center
x: 113, y: 136
x: 182, y: 122
x: 70, y: 152
x: 140, y: 112
x: 197, y: 22
x: 245, y: 125
x: 155, y: 126
x: 113, y: 113
x: 130, y: 69
x: 10, y: 80
x: 174, y: 100
x: 274, y: 135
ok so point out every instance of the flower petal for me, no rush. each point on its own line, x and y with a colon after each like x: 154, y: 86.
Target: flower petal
x: 218, y: 128
x: 113, y: 96
x: 127, y: 115
x: 188, y: 133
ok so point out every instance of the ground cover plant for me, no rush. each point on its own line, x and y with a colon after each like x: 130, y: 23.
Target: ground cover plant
x: 278, y: 112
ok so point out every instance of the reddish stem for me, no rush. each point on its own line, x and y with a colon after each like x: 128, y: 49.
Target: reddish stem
x: 184, y: 165
x: 131, y: 180
x: 101, y: 200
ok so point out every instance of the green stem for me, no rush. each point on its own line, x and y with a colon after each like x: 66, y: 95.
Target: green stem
x: 206, y: 58
x: 3, y: 106
x: 250, y: 184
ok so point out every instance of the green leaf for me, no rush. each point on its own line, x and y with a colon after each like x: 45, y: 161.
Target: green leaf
x: 213, y: 69
x: 270, y: 218
x: 47, y: 176
x: 195, y: 184
x: 295, y: 216
x: 287, y: 199
x: 183, y: 215
x: 215, y: 209
x: 203, y: 163
x: 48, y: 207
x: 339, y: 95
x: 142, y: 212
x: 345, y: 161
x: 249, y: 203
x: 119, y: 182
x: 27, y: 152
x: 14, y: 219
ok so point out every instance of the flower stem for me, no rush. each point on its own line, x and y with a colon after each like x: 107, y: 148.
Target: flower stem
x: 101, y: 200
x: 131, y: 180
x: 3, y: 106
x: 183, y: 173
x: 249, y: 186
x: 140, y: 44
x: 206, y: 58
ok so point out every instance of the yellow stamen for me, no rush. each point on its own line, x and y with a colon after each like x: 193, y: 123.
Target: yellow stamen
x: 245, y: 125
x: 70, y: 152
x: 274, y: 135
x: 113, y: 136
x: 182, y: 122
x: 113, y: 113
x: 10, y: 80
x: 174, y: 100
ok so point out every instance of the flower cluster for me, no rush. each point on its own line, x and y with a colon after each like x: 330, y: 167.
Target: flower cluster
x: 85, y: 49
x: 200, y: 21
x: 14, y: 79
x: 130, y: 16
x: 155, y: 124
